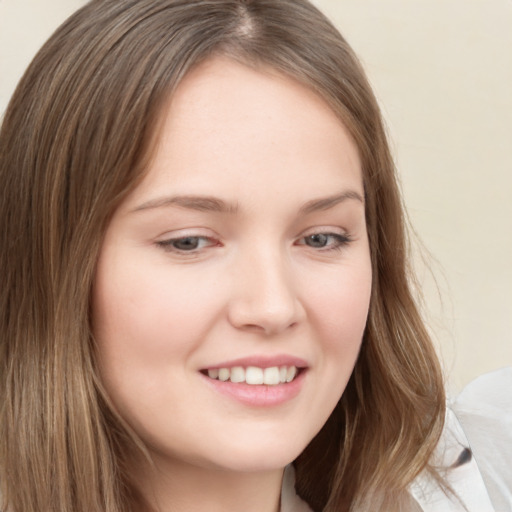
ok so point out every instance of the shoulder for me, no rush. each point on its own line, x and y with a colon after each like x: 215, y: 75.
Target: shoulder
x: 475, y: 451
x: 484, y: 410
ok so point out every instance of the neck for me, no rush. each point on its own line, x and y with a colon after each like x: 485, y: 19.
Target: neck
x: 175, y: 487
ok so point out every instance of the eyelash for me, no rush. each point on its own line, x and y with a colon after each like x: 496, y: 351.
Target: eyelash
x: 338, y: 243
x: 168, y: 245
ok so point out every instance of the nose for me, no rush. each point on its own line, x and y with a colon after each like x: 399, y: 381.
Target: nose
x: 265, y: 295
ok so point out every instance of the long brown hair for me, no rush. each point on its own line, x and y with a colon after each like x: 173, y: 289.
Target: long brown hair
x: 73, y: 143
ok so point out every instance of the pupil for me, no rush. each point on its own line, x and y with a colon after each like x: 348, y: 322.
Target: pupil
x: 187, y: 244
x: 318, y: 240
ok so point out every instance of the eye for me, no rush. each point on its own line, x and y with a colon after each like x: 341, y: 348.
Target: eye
x: 186, y: 243
x: 325, y: 241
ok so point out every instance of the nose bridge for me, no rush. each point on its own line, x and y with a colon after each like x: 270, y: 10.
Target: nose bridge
x: 265, y: 296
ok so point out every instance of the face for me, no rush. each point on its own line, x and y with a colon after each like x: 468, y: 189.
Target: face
x: 233, y: 285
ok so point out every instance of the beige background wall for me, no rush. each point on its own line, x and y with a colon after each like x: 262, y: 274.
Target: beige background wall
x: 442, y: 70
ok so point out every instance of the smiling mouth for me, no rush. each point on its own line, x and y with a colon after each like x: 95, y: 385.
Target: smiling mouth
x: 253, y: 375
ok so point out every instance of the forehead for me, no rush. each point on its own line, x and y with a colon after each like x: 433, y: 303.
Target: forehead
x: 230, y: 123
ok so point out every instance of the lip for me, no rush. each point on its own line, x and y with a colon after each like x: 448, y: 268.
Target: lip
x: 261, y: 361
x: 259, y: 395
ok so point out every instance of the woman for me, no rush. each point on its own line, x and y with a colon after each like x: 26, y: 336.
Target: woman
x: 206, y: 272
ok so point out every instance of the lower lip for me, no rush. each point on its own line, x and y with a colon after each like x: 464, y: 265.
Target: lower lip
x: 259, y: 395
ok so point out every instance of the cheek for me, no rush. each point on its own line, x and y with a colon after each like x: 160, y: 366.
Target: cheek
x: 149, y: 311
x: 340, y: 310
x: 147, y: 324
x: 340, y: 305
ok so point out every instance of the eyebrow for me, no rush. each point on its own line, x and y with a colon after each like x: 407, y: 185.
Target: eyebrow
x: 200, y: 203
x: 326, y: 203
x: 214, y: 204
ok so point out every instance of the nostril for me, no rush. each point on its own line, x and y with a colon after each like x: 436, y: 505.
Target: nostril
x: 264, y: 318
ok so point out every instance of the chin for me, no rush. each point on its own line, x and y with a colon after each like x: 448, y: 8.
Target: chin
x: 260, y: 456
x: 256, y: 463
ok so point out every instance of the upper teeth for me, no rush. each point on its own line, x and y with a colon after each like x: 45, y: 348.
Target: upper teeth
x: 254, y: 375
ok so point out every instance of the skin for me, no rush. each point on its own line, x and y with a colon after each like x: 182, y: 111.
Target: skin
x: 256, y: 282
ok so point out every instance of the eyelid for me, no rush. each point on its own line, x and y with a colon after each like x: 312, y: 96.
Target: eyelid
x: 338, y: 240
x: 341, y: 240
x: 187, y: 232
x: 325, y: 230
x: 169, y: 241
x: 166, y: 242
